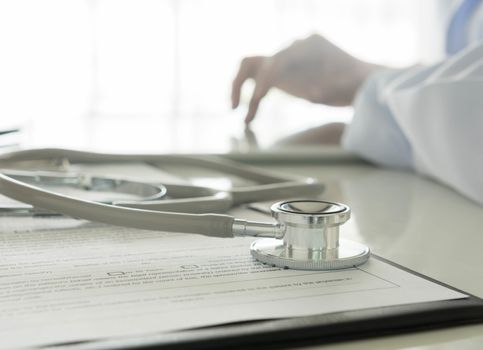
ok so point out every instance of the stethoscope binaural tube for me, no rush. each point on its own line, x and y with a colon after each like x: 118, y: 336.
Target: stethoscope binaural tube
x: 141, y: 190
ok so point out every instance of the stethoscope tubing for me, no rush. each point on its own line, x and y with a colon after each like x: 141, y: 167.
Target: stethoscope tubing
x: 269, y: 187
x: 215, y: 225
x: 172, y: 215
x: 75, y: 156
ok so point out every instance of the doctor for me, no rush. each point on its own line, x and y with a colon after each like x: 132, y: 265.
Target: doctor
x: 429, y: 119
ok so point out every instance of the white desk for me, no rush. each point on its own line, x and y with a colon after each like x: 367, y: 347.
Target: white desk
x: 414, y: 222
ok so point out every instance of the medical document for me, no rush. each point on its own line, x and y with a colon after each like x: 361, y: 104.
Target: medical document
x: 65, y: 280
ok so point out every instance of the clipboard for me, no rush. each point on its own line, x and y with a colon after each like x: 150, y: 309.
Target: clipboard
x: 309, y: 330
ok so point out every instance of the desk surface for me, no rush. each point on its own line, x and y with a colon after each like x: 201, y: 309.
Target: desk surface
x: 417, y: 223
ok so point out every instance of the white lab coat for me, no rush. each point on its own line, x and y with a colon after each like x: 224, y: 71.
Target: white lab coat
x: 429, y: 119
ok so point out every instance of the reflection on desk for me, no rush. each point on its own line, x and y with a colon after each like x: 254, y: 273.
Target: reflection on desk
x: 417, y: 223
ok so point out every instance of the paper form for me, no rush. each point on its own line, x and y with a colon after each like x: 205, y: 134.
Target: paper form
x: 69, y: 280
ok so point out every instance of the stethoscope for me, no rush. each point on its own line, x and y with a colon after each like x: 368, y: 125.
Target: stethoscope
x: 305, y: 236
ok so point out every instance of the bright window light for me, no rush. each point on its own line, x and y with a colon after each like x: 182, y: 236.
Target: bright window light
x: 156, y: 74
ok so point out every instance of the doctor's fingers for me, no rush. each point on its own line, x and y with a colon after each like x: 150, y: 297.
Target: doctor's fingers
x: 249, y: 68
x: 263, y: 83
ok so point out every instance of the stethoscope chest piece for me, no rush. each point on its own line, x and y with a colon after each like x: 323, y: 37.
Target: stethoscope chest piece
x: 310, y: 238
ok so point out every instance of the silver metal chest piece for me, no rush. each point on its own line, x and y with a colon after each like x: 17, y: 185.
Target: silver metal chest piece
x: 310, y: 238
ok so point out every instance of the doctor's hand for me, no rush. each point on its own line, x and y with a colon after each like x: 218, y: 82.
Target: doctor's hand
x: 313, y: 69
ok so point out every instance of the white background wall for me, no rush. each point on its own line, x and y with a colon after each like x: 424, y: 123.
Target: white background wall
x: 162, y: 69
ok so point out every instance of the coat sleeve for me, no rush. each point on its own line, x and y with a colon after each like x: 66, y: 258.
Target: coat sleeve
x: 429, y: 119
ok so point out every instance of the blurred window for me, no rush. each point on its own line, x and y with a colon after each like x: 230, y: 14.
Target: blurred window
x: 169, y: 63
